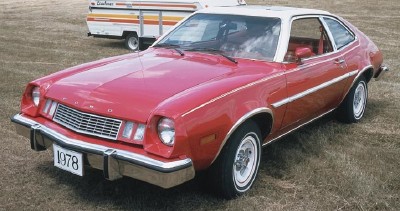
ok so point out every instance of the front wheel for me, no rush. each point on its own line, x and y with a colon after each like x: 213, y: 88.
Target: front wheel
x: 132, y: 41
x: 353, y: 107
x: 235, y: 170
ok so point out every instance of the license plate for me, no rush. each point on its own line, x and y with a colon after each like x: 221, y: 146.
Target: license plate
x: 68, y: 160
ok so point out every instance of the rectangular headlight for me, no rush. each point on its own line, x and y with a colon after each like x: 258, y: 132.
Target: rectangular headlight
x: 47, y: 106
x: 128, y: 129
x: 53, y: 108
x: 139, y: 135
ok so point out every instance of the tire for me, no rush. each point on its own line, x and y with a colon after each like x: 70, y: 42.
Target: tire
x: 353, y: 107
x: 132, y: 41
x: 235, y: 170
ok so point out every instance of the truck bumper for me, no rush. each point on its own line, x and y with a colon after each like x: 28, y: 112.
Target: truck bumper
x: 115, y: 163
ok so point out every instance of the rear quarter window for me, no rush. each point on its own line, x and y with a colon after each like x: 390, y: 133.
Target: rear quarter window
x: 341, y: 35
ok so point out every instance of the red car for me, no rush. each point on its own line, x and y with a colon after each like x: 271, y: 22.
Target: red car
x: 206, y: 96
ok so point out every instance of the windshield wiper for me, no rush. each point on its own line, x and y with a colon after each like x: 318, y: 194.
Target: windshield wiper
x: 214, y: 51
x: 166, y: 45
x: 172, y: 46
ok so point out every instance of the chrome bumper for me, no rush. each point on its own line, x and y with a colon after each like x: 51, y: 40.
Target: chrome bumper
x: 379, y: 74
x: 115, y: 163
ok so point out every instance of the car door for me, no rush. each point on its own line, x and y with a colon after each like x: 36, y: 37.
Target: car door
x: 314, y: 83
x: 345, y: 42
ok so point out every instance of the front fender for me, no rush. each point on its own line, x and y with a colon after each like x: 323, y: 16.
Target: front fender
x: 210, y: 126
x: 212, y: 111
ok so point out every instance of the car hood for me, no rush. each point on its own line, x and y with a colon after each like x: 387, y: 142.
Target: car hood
x: 132, y: 87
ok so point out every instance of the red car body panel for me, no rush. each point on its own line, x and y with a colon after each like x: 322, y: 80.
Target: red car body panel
x: 250, y: 85
x: 205, y: 94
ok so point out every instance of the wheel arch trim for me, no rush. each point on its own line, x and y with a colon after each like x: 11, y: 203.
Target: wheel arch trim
x: 359, y: 74
x: 364, y: 70
x: 240, y: 121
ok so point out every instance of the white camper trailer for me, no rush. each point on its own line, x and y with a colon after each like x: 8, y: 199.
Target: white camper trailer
x: 142, y: 20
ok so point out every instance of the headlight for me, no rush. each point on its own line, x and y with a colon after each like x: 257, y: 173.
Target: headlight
x: 36, y: 96
x: 128, y: 129
x: 139, y: 135
x: 166, y: 131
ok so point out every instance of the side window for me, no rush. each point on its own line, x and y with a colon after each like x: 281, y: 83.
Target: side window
x: 341, y: 34
x: 308, y: 33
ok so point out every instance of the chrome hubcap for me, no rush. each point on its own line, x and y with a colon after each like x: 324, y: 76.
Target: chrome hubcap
x: 245, y: 161
x: 360, y: 97
x: 133, y: 43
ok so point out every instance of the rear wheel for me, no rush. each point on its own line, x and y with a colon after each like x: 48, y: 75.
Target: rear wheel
x: 132, y: 41
x: 353, y: 107
x: 235, y: 170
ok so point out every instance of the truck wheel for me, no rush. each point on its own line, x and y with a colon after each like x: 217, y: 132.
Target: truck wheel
x: 132, y: 41
x: 235, y: 170
x: 353, y: 107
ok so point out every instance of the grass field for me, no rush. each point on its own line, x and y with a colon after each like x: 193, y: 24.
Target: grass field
x: 323, y: 166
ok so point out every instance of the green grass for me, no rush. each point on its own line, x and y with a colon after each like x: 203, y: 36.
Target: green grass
x: 323, y: 166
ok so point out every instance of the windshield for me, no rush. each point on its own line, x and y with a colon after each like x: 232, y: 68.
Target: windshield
x: 233, y: 35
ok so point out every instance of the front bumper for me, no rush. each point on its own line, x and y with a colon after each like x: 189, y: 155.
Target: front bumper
x: 115, y: 163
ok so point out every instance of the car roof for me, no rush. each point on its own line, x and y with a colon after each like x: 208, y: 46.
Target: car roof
x: 264, y: 11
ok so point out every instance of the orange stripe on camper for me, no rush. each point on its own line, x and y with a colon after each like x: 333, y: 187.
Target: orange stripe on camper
x: 166, y: 18
x: 191, y: 6
x: 147, y: 17
x: 98, y: 15
x: 149, y: 22
x: 122, y: 16
x: 113, y: 20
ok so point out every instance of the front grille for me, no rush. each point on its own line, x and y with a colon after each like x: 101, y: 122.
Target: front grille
x: 86, y: 123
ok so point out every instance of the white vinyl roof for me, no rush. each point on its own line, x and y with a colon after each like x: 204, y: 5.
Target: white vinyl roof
x: 264, y: 11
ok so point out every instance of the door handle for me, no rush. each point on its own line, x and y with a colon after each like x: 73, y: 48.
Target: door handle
x: 339, y: 61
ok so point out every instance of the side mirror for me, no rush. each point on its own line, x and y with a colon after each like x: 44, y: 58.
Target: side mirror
x: 301, y: 53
